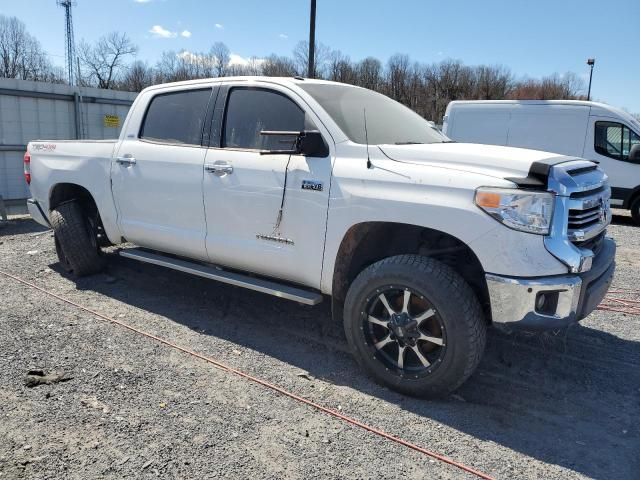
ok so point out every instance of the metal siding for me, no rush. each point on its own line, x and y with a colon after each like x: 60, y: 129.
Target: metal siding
x: 26, y: 118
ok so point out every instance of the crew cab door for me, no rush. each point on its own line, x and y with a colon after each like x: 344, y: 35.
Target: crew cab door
x: 245, y: 190
x: 609, y: 142
x: 157, y: 175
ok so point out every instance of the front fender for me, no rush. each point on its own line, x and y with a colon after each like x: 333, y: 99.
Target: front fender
x: 432, y: 197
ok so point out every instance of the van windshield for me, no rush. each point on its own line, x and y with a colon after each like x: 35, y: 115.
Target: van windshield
x: 387, y: 121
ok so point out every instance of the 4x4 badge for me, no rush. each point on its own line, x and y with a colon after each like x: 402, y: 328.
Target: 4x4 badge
x: 312, y: 185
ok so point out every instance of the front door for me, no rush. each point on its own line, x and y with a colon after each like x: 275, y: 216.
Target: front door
x: 157, y: 176
x: 259, y: 216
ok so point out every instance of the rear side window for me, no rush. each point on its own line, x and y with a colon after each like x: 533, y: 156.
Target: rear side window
x: 614, y: 140
x: 176, y: 117
x: 251, y: 110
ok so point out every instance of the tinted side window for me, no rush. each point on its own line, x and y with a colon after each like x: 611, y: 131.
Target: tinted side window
x: 249, y: 111
x: 614, y: 140
x: 176, y: 117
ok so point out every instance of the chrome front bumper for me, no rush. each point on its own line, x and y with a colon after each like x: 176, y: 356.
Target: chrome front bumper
x: 551, y: 302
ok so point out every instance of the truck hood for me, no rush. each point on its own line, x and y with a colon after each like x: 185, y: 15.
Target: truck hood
x: 492, y: 160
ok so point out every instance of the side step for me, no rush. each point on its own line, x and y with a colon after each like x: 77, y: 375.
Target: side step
x: 215, y: 273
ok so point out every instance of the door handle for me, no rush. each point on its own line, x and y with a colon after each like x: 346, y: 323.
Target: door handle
x: 219, y: 169
x: 127, y: 160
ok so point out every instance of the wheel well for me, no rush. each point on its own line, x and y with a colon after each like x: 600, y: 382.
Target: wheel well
x: 66, y: 192
x: 366, y: 243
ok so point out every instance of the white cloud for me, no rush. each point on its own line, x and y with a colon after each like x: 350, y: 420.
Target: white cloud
x: 283, y: 36
x: 159, y: 32
x: 185, y: 33
x: 234, y: 59
x: 142, y: 1
x: 219, y: 25
x: 239, y: 60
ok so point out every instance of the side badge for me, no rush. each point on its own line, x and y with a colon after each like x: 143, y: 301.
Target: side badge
x: 312, y: 185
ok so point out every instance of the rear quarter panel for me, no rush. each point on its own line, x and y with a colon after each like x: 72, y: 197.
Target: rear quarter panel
x: 83, y: 163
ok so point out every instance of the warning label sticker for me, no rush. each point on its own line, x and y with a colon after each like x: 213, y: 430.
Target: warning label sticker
x: 112, y: 121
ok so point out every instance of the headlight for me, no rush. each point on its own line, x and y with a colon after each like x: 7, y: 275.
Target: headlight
x: 518, y: 209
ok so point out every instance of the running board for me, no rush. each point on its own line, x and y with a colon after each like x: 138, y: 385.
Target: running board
x: 216, y: 273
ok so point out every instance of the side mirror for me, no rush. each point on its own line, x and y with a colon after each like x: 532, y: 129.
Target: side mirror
x: 634, y: 153
x: 311, y: 144
x: 307, y: 142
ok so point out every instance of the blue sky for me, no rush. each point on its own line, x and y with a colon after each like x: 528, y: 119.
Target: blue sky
x: 533, y: 38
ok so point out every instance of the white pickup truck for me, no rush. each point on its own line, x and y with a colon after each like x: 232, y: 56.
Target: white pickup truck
x: 304, y: 189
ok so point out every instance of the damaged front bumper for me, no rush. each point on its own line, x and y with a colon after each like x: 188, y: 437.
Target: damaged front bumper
x: 551, y: 302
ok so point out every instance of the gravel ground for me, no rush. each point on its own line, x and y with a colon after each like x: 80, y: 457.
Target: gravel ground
x: 554, y: 406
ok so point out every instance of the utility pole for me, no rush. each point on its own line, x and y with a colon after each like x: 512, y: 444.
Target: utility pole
x: 591, y: 62
x: 70, y: 46
x: 311, y: 71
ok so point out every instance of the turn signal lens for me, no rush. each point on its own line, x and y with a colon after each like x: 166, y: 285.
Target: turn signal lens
x: 488, y: 199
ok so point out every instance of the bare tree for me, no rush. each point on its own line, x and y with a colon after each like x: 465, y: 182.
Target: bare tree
x: 492, y: 82
x: 220, y: 57
x: 369, y: 73
x: 21, y: 55
x: 301, y: 59
x: 553, y: 87
x: 137, y: 77
x: 397, y: 75
x: 340, y: 68
x: 104, y: 62
x: 275, y: 66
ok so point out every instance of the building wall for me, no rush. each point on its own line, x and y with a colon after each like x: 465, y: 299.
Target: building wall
x: 43, y: 111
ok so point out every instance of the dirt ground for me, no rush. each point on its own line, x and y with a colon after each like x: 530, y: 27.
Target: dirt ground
x: 560, y: 405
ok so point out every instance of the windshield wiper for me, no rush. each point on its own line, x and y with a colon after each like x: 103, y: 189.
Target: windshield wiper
x: 409, y: 143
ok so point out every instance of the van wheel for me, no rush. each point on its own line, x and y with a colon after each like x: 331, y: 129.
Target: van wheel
x: 76, y: 243
x: 635, y: 210
x: 414, y: 325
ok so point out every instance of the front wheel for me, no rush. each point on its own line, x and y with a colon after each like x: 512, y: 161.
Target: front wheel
x: 414, y: 325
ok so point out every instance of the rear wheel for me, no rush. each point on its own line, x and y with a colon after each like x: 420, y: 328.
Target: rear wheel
x: 414, y: 325
x: 635, y: 209
x: 75, y: 239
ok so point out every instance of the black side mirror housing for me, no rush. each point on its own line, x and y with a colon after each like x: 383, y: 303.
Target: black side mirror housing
x: 634, y: 153
x: 311, y: 144
x: 307, y: 142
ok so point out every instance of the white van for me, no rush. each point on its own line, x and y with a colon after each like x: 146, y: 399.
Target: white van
x: 590, y: 130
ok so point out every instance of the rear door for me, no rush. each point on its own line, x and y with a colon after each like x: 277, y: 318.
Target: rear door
x: 157, y: 175
x: 265, y: 213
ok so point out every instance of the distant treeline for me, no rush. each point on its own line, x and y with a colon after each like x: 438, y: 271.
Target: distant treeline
x: 426, y: 88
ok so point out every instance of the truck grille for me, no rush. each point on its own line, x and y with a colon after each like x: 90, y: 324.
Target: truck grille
x: 589, y: 211
x: 581, y: 213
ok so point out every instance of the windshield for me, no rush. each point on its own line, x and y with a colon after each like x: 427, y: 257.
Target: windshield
x: 388, y: 122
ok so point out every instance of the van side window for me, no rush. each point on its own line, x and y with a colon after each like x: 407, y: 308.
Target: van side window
x: 614, y: 140
x: 176, y: 117
x: 251, y: 110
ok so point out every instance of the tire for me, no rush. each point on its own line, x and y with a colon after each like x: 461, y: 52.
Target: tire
x: 449, y: 341
x: 76, y: 245
x: 635, y: 210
